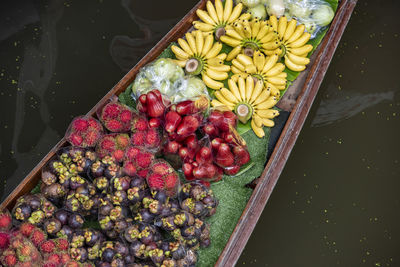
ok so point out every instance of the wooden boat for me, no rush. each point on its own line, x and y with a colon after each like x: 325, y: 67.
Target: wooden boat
x: 303, y: 91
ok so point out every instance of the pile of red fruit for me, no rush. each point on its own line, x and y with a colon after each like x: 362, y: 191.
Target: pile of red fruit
x: 84, y: 132
x: 113, y: 145
x: 146, y: 133
x: 116, y: 117
x: 137, y: 161
x: 28, y: 246
x: 163, y: 177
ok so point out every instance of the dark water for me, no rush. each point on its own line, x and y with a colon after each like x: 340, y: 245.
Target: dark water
x: 337, y: 201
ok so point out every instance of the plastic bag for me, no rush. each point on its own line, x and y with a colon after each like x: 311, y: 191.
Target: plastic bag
x: 160, y: 74
x: 137, y: 161
x: 32, y: 208
x: 113, y: 145
x: 162, y: 176
x: 20, y: 253
x: 84, y: 131
x: 115, y: 116
x: 314, y: 14
x: 188, y: 88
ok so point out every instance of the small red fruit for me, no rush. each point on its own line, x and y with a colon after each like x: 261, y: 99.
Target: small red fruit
x: 157, y: 93
x: 242, y: 156
x: 139, y: 124
x: 153, y: 138
x: 113, y: 125
x: 64, y: 258
x: 108, y: 144
x: 129, y: 168
x: 210, y: 129
x: 4, y: 241
x: 205, y: 183
x: 154, y: 123
x: 204, y: 155
x: 91, y: 137
x: 229, y: 138
x: 200, y: 172
x: 5, y: 220
x: 10, y: 260
x: 122, y: 140
x: 172, y: 147
x: 141, y: 107
x: 211, y: 170
x: 62, y: 244
x: 171, y: 180
x: 155, y: 107
x: 118, y: 155
x: 191, y: 142
x: 186, y: 107
x: 232, y: 170
x: 143, y: 173
x: 143, y: 99
x: 75, y: 139
x: 187, y: 169
x: 144, y: 159
x: 111, y: 111
x: 55, y: 258
x: 26, y: 229
x: 172, y: 120
x: 161, y: 168
x: 125, y: 116
x: 80, y: 124
x: 215, y: 117
x: 155, y: 181
x: 38, y: 237
x: 138, y: 138
x: 188, y: 126
x: 224, y: 156
x: 216, y: 142
x: 48, y: 246
x: 132, y: 152
x: 186, y: 154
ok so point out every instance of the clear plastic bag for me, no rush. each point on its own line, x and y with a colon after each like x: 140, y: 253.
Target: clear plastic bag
x: 84, y: 131
x: 162, y: 176
x: 314, y: 14
x: 115, y: 116
x: 21, y: 252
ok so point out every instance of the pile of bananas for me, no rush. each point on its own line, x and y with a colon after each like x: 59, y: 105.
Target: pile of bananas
x: 266, y: 69
x: 201, y: 55
x: 249, y: 101
x: 293, y: 42
x: 217, y: 17
x: 248, y: 36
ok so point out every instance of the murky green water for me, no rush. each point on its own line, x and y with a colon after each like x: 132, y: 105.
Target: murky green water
x: 336, y: 202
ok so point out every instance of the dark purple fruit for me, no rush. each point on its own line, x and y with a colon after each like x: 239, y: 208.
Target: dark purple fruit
x: 177, y: 250
x: 22, y: 212
x: 145, y: 216
x: 138, y: 182
x: 108, y: 255
x: 105, y: 208
x: 65, y: 231
x: 106, y: 223
x: 75, y: 221
x: 189, y: 232
x: 97, y: 169
x: 101, y: 183
x: 120, y: 225
x: 135, y: 194
x: 53, y: 191
x: 117, y: 263
x: 121, y: 249
x: 120, y: 198
x: 121, y: 183
x: 72, y: 203
x: 76, y: 181
x: 205, y: 243
x: 79, y: 254
x: 129, y: 259
x: 34, y: 202
x: 137, y: 249
x: 48, y: 178
x: 155, y: 207
x: 62, y: 216
x: 92, y: 237
x: 112, y: 234
x: 112, y: 171
x: 156, y: 255
x: 103, y: 264
x: 132, y: 233
x: 52, y: 226
x: 161, y: 196
x: 169, y: 263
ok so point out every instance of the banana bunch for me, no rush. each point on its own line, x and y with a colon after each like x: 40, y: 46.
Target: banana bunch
x: 201, y: 55
x: 248, y: 36
x: 217, y: 17
x: 266, y: 69
x: 249, y: 100
x: 293, y: 39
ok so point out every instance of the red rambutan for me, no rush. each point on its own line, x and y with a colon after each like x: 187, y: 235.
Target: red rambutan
x: 171, y: 180
x: 132, y: 152
x: 95, y: 125
x: 37, y: 237
x: 80, y: 124
x: 91, y: 138
x: 140, y: 124
x: 114, y: 125
x: 125, y: 116
x: 48, y: 246
x: 4, y: 241
x: 26, y: 229
x: 122, y: 140
x: 9, y: 260
x: 152, y: 138
x: 129, y: 168
x: 65, y: 257
x: 62, y: 244
x: 5, y: 220
x: 111, y: 111
x: 161, y: 167
x: 144, y: 159
x: 108, y: 144
x: 75, y: 139
x: 143, y: 173
x: 54, y: 258
x: 138, y: 138
x: 118, y: 155
x: 155, y: 181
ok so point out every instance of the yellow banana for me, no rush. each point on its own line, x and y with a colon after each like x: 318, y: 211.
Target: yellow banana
x: 181, y: 63
x: 222, y: 99
x: 282, y: 23
x: 255, y: 28
x: 216, y: 75
x: 211, y: 83
x: 276, y: 80
x: 204, y: 16
x: 237, y: 64
x: 228, y: 95
x: 212, y: 12
x: 235, y: 13
x: 251, y: 68
x: 215, y: 62
x: 297, y: 33
x: 269, y: 103
x: 270, y: 62
x: 228, y: 9
x: 301, y: 50
x: 191, y: 42
x: 242, y: 87
x: 268, y: 113
x: 265, y: 94
x: 245, y: 60
x: 249, y: 87
x: 230, y: 41
x: 273, y: 22
x: 293, y: 66
x: 257, y: 130
x: 271, y: 45
x: 185, y: 46
x: 220, y: 10
x: 215, y: 49
x: 223, y: 68
x: 208, y: 42
x: 222, y: 56
x: 274, y: 90
x: 298, y: 60
x: 233, y: 33
x: 234, y: 88
x: 268, y: 123
x: 204, y: 27
x: 290, y: 29
x: 268, y: 37
x: 235, y: 51
x: 257, y: 90
x: 179, y: 52
x: 199, y: 41
x: 264, y: 30
x: 278, y: 68
x: 235, y: 70
x: 259, y: 60
x: 216, y: 103
x: 301, y: 41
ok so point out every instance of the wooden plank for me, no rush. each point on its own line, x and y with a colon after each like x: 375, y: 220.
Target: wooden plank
x: 282, y: 150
